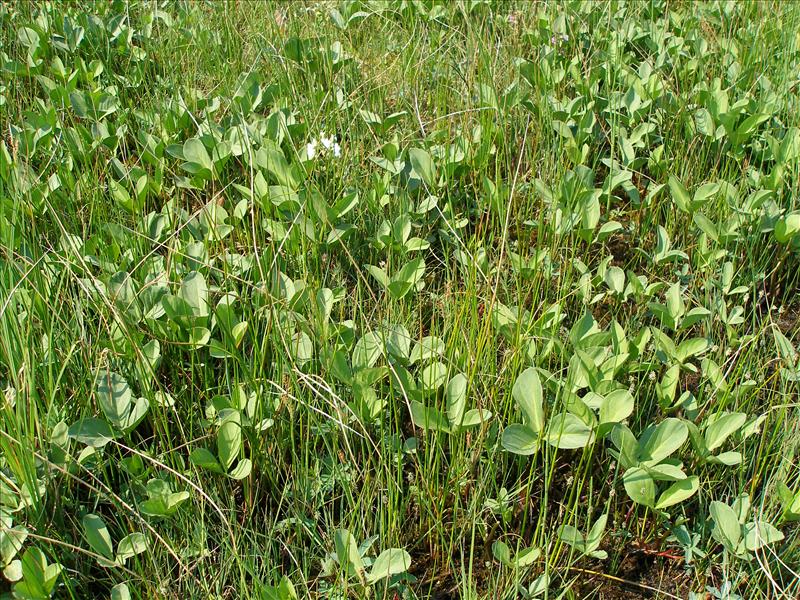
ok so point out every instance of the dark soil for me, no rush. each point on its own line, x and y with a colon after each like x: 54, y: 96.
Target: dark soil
x: 640, y: 576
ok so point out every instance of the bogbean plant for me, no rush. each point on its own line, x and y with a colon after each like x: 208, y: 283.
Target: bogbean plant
x: 365, y: 275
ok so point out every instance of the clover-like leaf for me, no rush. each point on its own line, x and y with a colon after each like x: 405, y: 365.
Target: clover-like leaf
x: 456, y: 397
x: 130, y: 546
x: 347, y: 554
x: 758, y: 534
x: 678, y: 492
x: 722, y: 428
x: 389, y: 562
x: 520, y: 439
x: 229, y: 437
x: 422, y: 163
x: 640, y: 486
x: 660, y: 441
x: 527, y: 392
x: 566, y: 431
x: 92, y: 432
x: 96, y: 532
x: 727, y: 529
x: 428, y: 418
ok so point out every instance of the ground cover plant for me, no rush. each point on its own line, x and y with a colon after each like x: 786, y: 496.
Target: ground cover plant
x: 399, y: 299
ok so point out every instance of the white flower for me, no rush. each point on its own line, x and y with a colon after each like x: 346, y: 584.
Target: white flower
x: 311, y: 148
x: 327, y: 142
x: 337, y: 150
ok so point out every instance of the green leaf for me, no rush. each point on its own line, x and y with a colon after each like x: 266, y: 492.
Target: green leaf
x: 204, y: 458
x: 39, y: 578
x: 96, y: 532
x: 428, y: 418
x: 194, y: 291
x: 527, y: 557
x: 428, y: 348
x: 241, y: 470
x: 616, y: 407
x: 595, y: 535
x: 475, y: 416
x: 130, y: 546
x: 456, y: 396
x: 741, y: 506
x: 615, y: 279
x: 692, y: 347
x: 178, y: 310
x: 571, y: 536
x: 787, y: 351
x: 539, y: 586
x: 123, y: 198
x: 626, y: 445
x: 29, y: 38
x: 136, y: 414
x: 422, y: 163
x: 706, y: 226
x: 680, y: 195
x: 640, y: 486
x: 748, y: 126
x: 678, y: 492
x: 729, y: 459
x: 567, y: 432
x: 120, y: 592
x: 92, y: 432
x: 271, y: 158
x: 433, y: 377
x: 199, y: 337
x: 367, y: 351
x: 668, y: 385
x: 11, y: 539
x: 195, y: 152
x: 666, y: 471
x: 787, y: 227
x: 727, y: 530
x: 229, y: 437
x: 389, y: 562
x: 790, y: 502
x: 758, y: 534
x: 347, y: 554
x: 379, y: 275
x: 675, y: 305
x: 406, y: 278
x: 302, y: 348
x: 520, y: 439
x: 660, y: 441
x: 114, y: 397
x: 527, y: 392
x: 502, y: 552
x: 704, y: 193
x: 722, y: 428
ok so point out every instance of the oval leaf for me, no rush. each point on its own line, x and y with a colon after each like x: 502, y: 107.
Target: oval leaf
x: 567, y: 432
x: 678, y: 492
x: 520, y: 439
x: 96, y: 532
x: 527, y: 392
x: 389, y: 562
